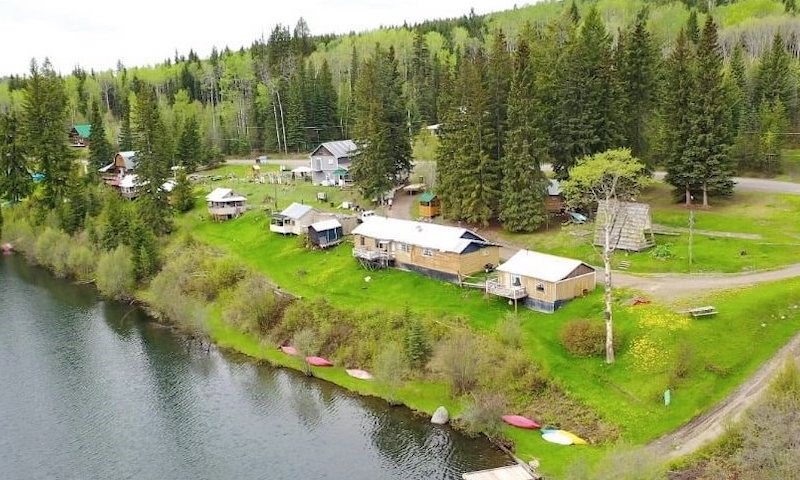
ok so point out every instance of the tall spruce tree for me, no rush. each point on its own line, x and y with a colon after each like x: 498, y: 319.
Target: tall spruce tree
x: 153, y: 147
x: 710, y: 141
x: 422, y: 83
x: 189, y: 147
x: 677, y: 105
x: 523, y: 188
x: 125, y: 133
x: 295, y: 108
x: 638, y: 72
x: 100, y: 152
x: 45, y: 118
x: 588, y: 120
x: 693, y: 28
x: 15, y: 177
x: 774, y: 79
x: 380, y: 130
x: 498, y: 83
x: 325, y: 100
x: 182, y: 194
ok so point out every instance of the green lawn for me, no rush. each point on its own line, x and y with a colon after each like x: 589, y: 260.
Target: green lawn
x: 771, y: 216
x: 722, y: 350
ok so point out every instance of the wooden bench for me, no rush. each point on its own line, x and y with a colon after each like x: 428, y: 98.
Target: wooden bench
x: 701, y: 311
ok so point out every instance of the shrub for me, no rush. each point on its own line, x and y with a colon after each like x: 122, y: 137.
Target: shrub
x: 662, y: 252
x: 460, y: 360
x: 584, y: 338
x: 82, y: 262
x: 509, y: 330
x: 115, y: 273
x: 307, y: 344
x: 389, y: 368
x: 682, y: 364
x: 255, y: 308
x: 483, y: 414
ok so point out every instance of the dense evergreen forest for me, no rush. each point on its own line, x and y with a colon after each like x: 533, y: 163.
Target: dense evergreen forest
x: 701, y: 89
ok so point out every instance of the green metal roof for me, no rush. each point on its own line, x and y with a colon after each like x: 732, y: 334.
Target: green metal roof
x: 340, y: 171
x: 427, y: 197
x: 84, y: 129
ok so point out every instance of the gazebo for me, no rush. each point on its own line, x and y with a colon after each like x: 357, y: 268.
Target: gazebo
x: 429, y: 205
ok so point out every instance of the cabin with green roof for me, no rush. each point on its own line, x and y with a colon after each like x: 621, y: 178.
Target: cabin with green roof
x: 79, y: 135
x: 429, y: 205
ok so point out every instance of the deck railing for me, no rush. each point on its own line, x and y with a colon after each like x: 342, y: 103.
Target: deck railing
x: 496, y: 288
x: 371, y: 255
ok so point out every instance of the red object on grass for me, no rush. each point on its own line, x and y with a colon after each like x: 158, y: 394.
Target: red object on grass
x: 288, y: 350
x: 520, y: 421
x: 318, y: 362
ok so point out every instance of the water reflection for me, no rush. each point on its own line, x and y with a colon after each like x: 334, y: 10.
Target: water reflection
x: 90, y: 389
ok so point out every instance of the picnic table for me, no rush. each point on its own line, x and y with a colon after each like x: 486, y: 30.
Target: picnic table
x: 701, y: 311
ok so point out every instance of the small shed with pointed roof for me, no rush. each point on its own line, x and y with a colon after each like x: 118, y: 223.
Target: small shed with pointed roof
x: 325, y: 233
x: 293, y: 220
x: 429, y: 205
x: 632, y: 226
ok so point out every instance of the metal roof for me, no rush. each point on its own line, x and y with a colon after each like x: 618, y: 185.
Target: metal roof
x: 296, y: 210
x: 326, y: 225
x: 425, y: 235
x: 84, y: 129
x: 222, y: 195
x: 427, y: 197
x: 541, y: 266
x: 339, y: 149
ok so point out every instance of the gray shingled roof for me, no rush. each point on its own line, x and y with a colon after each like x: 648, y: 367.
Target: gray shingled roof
x: 339, y: 149
x: 295, y: 211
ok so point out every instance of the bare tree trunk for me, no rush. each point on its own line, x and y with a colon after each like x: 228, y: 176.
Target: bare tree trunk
x: 283, y: 124
x: 705, y: 195
x: 608, y: 297
x: 277, y: 127
x: 688, y: 196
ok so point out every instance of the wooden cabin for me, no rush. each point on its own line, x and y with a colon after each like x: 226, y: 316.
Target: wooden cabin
x: 554, y: 200
x: 79, y: 135
x: 225, y: 204
x: 429, y: 205
x: 326, y: 233
x: 438, y: 251
x: 330, y: 162
x: 293, y: 220
x: 124, y: 163
x: 542, y: 282
x: 632, y: 226
x: 128, y: 186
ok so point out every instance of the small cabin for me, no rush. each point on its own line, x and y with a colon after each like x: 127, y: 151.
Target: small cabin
x: 542, y: 282
x: 79, y: 135
x: 438, y: 251
x: 293, y: 220
x: 225, y: 204
x: 554, y: 200
x: 326, y: 233
x: 429, y: 205
x: 124, y: 163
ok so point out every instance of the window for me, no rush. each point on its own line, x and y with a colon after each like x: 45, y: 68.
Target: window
x: 330, y: 161
x: 361, y: 240
x: 405, y: 248
x: 540, y: 287
x: 427, y: 252
x: 516, y: 281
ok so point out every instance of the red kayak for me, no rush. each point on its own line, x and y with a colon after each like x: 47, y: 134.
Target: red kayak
x: 318, y: 362
x: 520, y: 421
x: 288, y: 350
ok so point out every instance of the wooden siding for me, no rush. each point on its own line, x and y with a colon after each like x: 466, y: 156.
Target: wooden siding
x: 429, y: 210
x: 553, y: 292
x: 575, y: 286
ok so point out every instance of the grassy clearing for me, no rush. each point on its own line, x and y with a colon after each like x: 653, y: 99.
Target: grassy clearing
x: 768, y: 215
x: 719, y: 353
x: 790, y: 171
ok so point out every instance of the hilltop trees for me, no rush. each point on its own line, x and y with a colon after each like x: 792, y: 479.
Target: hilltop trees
x: 100, y: 151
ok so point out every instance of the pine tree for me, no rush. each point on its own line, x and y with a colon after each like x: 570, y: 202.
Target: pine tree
x: 380, y: 130
x: 100, y: 152
x: 574, y: 14
x: 182, y: 194
x: 189, y: 147
x: 522, y: 201
x: 693, y: 28
x: 153, y: 149
x: 15, y: 178
x: 295, y: 108
x: 115, y: 223
x: 72, y: 212
x: 45, y: 114
x: 710, y: 141
x: 325, y: 99
x: 498, y: 82
x: 774, y: 81
x: 638, y: 82
x: 422, y: 83
x: 125, y: 133
x: 678, y: 120
x: 143, y: 245
x: 588, y: 120
x: 417, y: 347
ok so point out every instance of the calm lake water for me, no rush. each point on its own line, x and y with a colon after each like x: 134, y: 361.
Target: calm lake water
x: 91, y: 390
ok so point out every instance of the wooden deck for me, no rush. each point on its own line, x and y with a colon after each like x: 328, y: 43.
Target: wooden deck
x: 514, y: 293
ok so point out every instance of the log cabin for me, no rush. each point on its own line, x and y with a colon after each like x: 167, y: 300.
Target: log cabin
x: 438, y: 251
x: 542, y: 282
x: 79, y: 135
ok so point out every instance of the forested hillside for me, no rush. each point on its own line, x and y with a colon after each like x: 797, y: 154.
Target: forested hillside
x: 550, y: 82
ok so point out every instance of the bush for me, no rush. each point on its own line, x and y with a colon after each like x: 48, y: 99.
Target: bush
x: 115, y: 273
x: 389, y: 368
x: 584, y: 338
x: 483, y: 414
x: 509, y: 330
x: 307, y: 344
x: 460, y: 360
x: 255, y: 308
x: 662, y: 252
x: 82, y: 262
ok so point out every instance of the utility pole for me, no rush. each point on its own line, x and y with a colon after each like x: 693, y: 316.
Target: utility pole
x: 691, y: 236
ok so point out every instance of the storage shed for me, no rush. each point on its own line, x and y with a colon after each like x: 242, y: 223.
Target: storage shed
x: 632, y: 228
x: 326, y: 233
x: 543, y: 282
x: 293, y: 220
x: 429, y: 205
